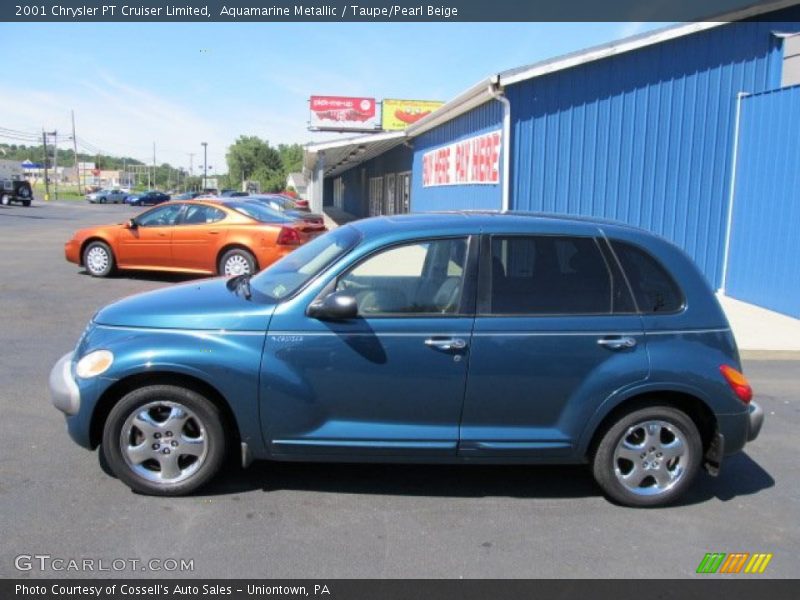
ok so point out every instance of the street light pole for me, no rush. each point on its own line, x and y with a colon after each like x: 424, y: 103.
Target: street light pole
x: 205, y: 165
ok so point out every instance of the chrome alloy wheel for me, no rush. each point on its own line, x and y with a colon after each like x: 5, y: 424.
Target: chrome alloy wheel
x: 651, y: 457
x: 163, y: 442
x: 97, y: 259
x: 236, y: 265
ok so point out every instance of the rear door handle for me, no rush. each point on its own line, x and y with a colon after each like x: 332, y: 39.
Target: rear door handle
x: 446, y: 344
x: 617, y: 343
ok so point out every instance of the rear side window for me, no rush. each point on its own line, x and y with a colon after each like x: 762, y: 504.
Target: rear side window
x: 653, y: 287
x: 550, y: 275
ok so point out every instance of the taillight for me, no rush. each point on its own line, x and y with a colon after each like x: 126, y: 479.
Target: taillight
x: 738, y: 382
x: 288, y: 236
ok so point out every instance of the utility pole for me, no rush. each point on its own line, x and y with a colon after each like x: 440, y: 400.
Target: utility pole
x: 205, y: 165
x: 46, y: 178
x: 55, y: 160
x: 75, y: 151
x: 191, y: 163
x: 155, y: 183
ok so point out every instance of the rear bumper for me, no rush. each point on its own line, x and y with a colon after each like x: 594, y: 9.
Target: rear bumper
x: 755, y: 419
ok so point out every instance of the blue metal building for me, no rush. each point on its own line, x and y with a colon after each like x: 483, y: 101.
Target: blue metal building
x: 689, y: 132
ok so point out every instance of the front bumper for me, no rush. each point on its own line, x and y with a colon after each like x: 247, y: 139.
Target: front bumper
x: 64, y: 391
x: 755, y: 419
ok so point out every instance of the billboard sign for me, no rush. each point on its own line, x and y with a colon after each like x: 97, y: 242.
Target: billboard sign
x: 342, y: 113
x: 399, y: 114
x: 473, y: 161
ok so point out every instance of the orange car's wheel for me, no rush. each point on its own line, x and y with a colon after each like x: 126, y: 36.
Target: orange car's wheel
x: 98, y: 259
x: 237, y: 261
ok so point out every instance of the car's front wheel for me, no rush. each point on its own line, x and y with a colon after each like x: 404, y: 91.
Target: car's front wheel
x: 649, y: 457
x: 98, y: 259
x: 164, y: 440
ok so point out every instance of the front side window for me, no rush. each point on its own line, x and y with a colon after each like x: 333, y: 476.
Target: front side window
x: 162, y: 216
x: 421, y: 278
x: 654, y: 289
x: 550, y: 275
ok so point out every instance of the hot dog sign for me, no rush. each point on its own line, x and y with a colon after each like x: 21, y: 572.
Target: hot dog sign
x: 399, y: 114
x: 343, y: 112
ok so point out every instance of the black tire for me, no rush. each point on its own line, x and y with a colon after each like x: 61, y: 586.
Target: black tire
x: 102, y: 200
x: 26, y: 203
x: 648, y: 463
x: 93, y: 261
x: 237, y: 257
x: 203, y: 422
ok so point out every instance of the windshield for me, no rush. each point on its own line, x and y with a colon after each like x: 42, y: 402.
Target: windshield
x: 296, y: 269
x: 258, y: 211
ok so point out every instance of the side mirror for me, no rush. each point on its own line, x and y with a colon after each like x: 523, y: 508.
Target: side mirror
x: 338, y: 306
x: 132, y: 224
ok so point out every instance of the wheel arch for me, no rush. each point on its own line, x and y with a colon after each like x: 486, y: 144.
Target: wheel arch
x: 236, y: 245
x: 117, y: 391
x: 89, y: 240
x: 692, y: 404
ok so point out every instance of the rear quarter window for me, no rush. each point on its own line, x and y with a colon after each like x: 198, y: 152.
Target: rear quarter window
x: 653, y: 287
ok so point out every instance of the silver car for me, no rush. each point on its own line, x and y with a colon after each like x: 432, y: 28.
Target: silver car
x: 106, y: 196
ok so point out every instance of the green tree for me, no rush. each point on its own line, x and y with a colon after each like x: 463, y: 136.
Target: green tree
x: 291, y: 157
x: 251, y: 158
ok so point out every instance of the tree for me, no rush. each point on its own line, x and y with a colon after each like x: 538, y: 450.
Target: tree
x: 251, y: 158
x: 291, y: 157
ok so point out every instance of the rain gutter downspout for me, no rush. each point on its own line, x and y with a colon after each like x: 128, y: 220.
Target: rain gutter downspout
x: 496, y: 92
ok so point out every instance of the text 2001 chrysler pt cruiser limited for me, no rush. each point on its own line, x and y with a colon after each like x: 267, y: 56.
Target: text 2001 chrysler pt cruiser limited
x: 450, y: 338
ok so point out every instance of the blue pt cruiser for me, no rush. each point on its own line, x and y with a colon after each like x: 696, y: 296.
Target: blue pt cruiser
x: 447, y: 338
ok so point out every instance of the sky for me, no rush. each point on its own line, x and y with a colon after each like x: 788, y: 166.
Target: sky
x: 177, y: 85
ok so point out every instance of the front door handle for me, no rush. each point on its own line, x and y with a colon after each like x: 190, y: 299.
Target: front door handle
x: 617, y: 343
x: 446, y: 344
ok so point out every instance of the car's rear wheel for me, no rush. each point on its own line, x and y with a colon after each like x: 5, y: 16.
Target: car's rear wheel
x: 164, y: 440
x: 98, y: 259
x: 237, y: 261
x: 649, y: 457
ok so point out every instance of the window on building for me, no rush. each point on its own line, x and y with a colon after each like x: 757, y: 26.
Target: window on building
x: 422, y: 278
x: 655, y: 291
x: 375, y: 196
x: 549, y: 275
x: 338, y: 193
x: 404, y: 192
x: 391, y: 194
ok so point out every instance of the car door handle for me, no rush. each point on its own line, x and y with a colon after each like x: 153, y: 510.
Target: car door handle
x: 617, y: 343
x: 214, y: 232
x: 446, y: 343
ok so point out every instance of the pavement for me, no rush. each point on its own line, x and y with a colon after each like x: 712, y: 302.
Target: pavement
x: 329, y: 521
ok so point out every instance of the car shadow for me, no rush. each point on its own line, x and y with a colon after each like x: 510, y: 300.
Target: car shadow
x: 741, y: 476
x: 154, y: 276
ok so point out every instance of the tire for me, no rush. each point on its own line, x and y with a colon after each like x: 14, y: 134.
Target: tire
x: 26, y: 203
x: 5, y: 199
x: 649, y: 457
x: 164, y: 440
x: 237, y: 261
x: 98, y: 259
x: 101, y: 200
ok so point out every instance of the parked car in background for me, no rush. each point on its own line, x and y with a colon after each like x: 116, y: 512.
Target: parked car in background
x: 15, y: 190
x: 185, y: 196
x: 204, y: 236
x: 451, y: 338
x: 287, y: 206
x: 233, y: 194
x: 107, y: 197
x: 147, y: 198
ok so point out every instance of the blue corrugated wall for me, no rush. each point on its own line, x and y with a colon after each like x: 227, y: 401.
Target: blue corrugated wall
x: 487, y: 117
x: 764, y: 262
x: 644, y: 137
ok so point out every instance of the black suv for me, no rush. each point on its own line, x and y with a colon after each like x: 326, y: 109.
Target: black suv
x: 15, y: 191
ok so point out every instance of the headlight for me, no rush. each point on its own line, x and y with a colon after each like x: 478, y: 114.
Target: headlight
x: 94, y: 363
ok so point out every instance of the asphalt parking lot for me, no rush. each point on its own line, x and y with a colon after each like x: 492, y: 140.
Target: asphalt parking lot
x: 326, y: 521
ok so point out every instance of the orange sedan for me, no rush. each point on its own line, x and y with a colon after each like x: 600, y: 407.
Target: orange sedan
x: 209, y: 236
